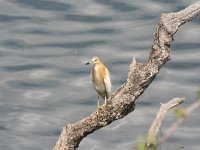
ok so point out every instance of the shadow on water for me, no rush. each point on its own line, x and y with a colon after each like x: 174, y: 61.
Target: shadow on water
x: 119, y: 6
x: 87, y: 18
x: 80, y: 45
x: 45, y: 5
x: 19, y: 68
x: 14, y: 43
x: 8, y: 18
x: 183, y: 65
x: 49, y: 32
x: 17, y: 44
x: 34, y: 84
x: 185, y: 46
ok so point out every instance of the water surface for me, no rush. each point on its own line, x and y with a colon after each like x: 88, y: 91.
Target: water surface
x: 45, y: 84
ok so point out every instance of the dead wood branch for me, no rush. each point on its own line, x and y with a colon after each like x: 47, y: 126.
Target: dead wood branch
x: 122, y: 101
x: 151, y: 142
x: 186, y: 112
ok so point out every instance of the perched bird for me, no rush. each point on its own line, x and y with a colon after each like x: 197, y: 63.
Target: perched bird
x: 100, y: 79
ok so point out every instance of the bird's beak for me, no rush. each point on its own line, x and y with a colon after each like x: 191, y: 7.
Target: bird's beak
x: 88, y: 63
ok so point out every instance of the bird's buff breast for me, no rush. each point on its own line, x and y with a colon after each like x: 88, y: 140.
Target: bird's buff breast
x: 98, y: 78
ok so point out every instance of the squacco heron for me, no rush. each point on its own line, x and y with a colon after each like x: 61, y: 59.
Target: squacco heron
x: 100, y: 79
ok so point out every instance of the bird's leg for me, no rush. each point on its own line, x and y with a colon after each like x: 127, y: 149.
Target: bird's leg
x: 105, y: 101
x: 98, y: 103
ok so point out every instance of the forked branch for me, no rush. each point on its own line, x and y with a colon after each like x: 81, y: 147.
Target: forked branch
x: 151, y: 142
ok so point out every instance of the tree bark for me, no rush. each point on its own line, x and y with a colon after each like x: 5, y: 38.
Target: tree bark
x: 140, y: 76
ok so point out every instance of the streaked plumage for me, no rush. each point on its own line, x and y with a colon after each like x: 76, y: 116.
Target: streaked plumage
x: 100, y: 79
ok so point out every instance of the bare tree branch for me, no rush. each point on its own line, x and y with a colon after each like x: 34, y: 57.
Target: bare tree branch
x: 122, y: 101
x: 180, y: 120
x: 151, y: 141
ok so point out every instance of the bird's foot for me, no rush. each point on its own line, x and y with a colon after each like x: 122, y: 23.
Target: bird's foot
x: 101, y: 107
x: 97, y: 111
x: 104, y: 105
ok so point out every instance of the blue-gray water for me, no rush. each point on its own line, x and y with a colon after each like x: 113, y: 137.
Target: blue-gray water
x: 44, y: 83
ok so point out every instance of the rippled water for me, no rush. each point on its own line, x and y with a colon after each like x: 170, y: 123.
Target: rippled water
x: 44, y: 45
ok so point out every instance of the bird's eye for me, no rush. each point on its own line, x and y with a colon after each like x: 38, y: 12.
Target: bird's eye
x: 95, y: 60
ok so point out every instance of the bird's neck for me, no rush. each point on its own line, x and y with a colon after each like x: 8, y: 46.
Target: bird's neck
x: 99, y: 65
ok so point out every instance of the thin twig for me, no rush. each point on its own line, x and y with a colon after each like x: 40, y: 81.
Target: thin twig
x: 180, y: 120
x: 153, y: 130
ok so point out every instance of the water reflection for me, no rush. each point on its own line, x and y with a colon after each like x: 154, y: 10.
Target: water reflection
x: 37, y: 95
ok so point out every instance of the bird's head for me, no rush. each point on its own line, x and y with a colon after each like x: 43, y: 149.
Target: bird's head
x: 95, y: 60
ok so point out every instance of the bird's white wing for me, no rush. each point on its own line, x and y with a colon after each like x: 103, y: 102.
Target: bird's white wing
x: 107, y: 82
